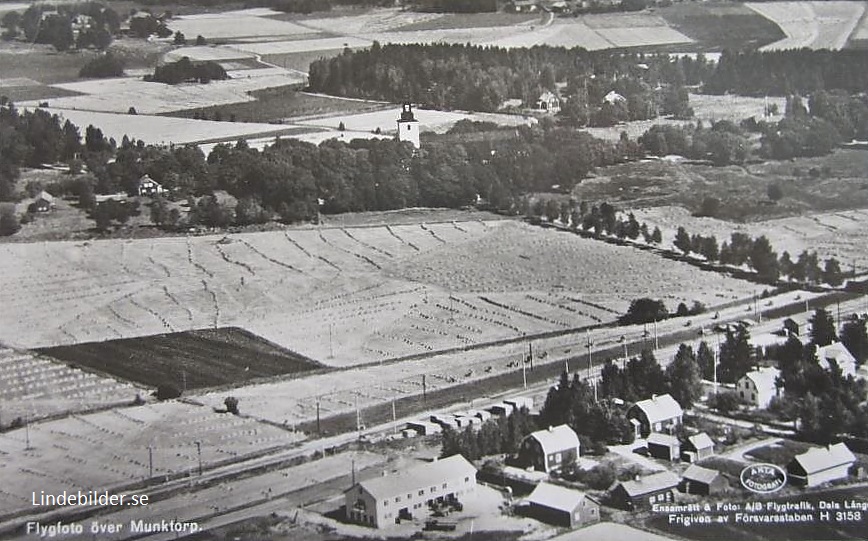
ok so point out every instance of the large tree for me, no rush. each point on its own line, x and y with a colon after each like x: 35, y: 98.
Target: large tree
x: 822, y: 328
x: 683, y: 374
x: 736, y: 355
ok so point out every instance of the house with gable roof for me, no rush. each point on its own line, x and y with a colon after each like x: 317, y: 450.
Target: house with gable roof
x: 702, y: 481
x: 821, y: 465
x: 697, y: 447
x: 656, y: 414
x: 384, y: 501
x: 758, y: 387
x: 549, y: 450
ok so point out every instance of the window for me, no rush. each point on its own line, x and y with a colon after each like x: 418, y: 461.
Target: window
x: 385, y: 503
x: 409, y: 496
x: 421, y: 492
x: 444, y: 485
x: 752, y: 396
x: 467, y: 479
x: 557, y: 457
x: 397, y: 499
x: 408, y: 127
x: 433, y: 489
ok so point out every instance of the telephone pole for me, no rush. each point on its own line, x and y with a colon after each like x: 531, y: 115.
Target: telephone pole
x: 589, y: 344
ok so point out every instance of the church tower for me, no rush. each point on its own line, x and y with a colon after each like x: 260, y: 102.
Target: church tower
x: 408, y: 126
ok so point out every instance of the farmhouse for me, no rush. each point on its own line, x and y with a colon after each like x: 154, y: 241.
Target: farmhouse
x: 548, y: 102
x: 549, y: 450
x: 385, y: 501
x: 758, y: 387
x: 657, y: 414
x: 821, y: 465
x: 697, y: 447
x: 837, y: 352
x: 561, y: 506
x: 645, y: 491
x: 149, y: 186
x: 702, y: 481
x: 664, y: 446
x: 44, y: 202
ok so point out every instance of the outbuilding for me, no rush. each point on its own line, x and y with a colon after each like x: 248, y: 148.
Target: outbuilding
x: 702, y: 481
x: 697, y: 447
x: 643, y: 492
x: 821, y: 465
x: 561, y: 506
x: 664, y: 446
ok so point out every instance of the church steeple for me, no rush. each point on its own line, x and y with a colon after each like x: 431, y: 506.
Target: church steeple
x: 408, y: 126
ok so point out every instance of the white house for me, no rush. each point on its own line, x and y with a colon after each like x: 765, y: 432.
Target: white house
x: 821, y: 465
x: 836, y: 351
x: 758, y: 387
x: 149, y: 186
x: 548, y: 102
x: 384, y: 501
x: 613, y: 97
x: 657, y: 414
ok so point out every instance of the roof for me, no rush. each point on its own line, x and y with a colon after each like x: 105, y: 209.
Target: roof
x: 424, y: 475
x: 547, y: 95
x: 650, y: 483
x: 700, y: 441
x: 613, y: 96
x: 147, y: 178
x: 698, y: 473
x: 823, y: 458
x: 556, y: 439
x: 662, y: 439
x: 840, y: 354
x: 555, y: 497
x: 764, y: 378
x: 660, y: 408
x: 46, y: 196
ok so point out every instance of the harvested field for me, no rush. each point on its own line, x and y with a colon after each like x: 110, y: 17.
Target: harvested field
x: 206, y: 53
x: 717, y: 26
x: 187, y: 360
x: 579, y: 33
x: 815, y: 25
x: 378, y: 20
x: 474, y: 20
x: 169, y: 130
x: 234, y: 25
x: 303, y: 45
x: 329, y: 293
x: 34, y: 386
x: 385, y: 119
x: 109, y: 450
x: 118, y: 95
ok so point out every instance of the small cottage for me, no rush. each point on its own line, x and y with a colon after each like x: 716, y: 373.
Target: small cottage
x: 643, y: 492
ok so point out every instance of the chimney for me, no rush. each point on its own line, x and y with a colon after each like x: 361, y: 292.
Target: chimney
x: 551, y: 429
x: 637, y: 477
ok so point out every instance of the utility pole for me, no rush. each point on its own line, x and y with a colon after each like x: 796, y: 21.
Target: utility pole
x: 656, y: 342
x: 394, y: 418
x: 424, y: 391
x: 589, y: 344
x: 183, y: 380
x: 150, y: 462
x: 626, y: 357
x: 331, y: 348
x: 524, y: 373
x: 358, y: 418
x: 27, y: 446
x: 318, y: 428
x: 199, y: 453
x: 354, y: 472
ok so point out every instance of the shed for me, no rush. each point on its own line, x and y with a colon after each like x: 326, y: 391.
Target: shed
x: 561, y: 506
x: 445, y: 421
x: 702, y: 481
x: 518, y: 402
x: 697, y: 447
x: 502, y: 409
x: 791, y: 327
x: 664, y: 446
x: 425, y: 428
x: 481, y: 414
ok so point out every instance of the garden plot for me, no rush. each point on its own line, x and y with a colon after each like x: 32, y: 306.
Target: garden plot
x: 118, y: 95
x: 109, y: 450
x: 33, y: 387
x: 836, y: 234
x: 235, y: 25
x: 815, y: 25
x: 173, y: 130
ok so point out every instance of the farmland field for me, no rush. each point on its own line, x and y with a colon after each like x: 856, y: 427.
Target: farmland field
x: 110, y: 449
x: 235, y: 24
x: 34, y: 386
x: 717, y: 26
x: 188, y: 360
x: 815, y: 25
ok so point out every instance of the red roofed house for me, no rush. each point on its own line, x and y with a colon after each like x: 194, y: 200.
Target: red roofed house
x: 383, y: 501
x: 549, y: 450
x: 821, y: 465
x: 657, y: 414
x: 562, y: 506
x: 643, y: 492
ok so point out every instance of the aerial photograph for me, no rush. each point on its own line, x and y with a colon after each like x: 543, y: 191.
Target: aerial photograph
x: 448, y: 270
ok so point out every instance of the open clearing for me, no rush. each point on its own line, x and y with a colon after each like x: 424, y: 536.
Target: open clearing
x: 187, y: 360
x: 235, y: 24
x: 102, y: 451
x: 815, y: 25
x: 717, y: 26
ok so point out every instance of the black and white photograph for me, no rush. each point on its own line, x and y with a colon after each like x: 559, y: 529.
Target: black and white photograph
x: 445, y: 270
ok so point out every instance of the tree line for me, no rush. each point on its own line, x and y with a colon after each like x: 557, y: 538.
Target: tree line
x: 499, y: 435
x: 64, y: 26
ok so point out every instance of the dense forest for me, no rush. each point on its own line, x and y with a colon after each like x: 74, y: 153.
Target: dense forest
x: 482, y: 78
